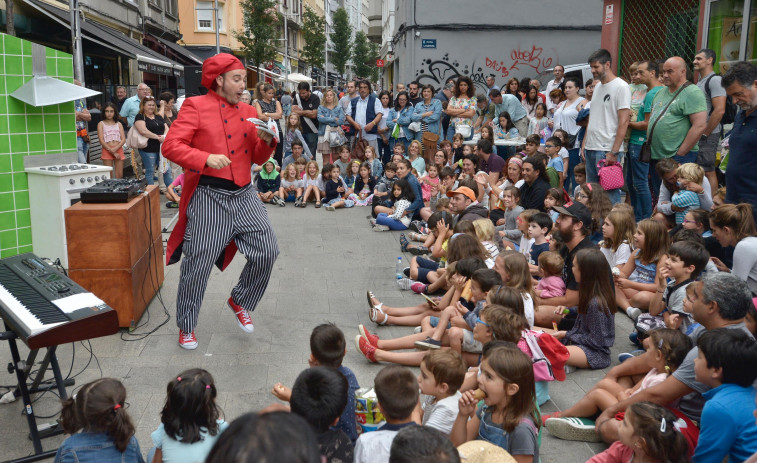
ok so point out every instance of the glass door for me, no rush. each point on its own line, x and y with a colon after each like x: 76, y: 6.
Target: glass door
x: 725, y: 31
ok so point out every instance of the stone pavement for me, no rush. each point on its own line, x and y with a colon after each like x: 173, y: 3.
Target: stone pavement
x: 328, y: 260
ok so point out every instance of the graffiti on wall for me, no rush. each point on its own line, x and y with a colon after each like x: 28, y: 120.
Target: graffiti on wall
x: 521, y: 62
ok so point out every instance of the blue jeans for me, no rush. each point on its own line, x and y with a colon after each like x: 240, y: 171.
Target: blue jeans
x: 638, y: 184
x: 149, y: 160
x: 311, y: 139
x: 385, y: 150
x: 383, y: 219
x: 592, y: 158
x: 573, y: 160
x: 82, y: 147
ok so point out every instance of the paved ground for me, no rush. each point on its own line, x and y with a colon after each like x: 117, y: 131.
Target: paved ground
x: 328, y: 260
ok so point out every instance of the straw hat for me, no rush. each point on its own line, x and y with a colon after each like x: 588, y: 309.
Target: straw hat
x: 479, y: 451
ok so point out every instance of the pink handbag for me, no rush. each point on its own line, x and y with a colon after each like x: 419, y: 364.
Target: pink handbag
x: 610, y: 177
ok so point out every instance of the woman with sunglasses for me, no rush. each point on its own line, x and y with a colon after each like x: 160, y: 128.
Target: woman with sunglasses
x: 150, y: 125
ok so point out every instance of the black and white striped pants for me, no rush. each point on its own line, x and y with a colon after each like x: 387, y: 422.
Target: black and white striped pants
x: 214, y: 218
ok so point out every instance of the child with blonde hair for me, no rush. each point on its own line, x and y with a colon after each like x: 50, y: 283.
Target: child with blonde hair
x: 428, y: 182
x: 617, y: 231
x: 310, y: 184
x: 377, y: 170
x: 485, y: 233
x: 684, y: 199
x: 550, y: 270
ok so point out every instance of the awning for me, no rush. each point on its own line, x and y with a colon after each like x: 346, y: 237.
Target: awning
x: 264, y: 71
x: 147, y: 60
x: 179, y: 50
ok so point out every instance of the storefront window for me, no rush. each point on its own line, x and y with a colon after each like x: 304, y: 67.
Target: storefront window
x: 751, y: 51
x: 724, y: 32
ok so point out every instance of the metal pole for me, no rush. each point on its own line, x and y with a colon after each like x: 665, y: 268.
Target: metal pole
x: 286, y: 49
x: 76, y: 41
x: 326, y: 67
x: 218, y: 26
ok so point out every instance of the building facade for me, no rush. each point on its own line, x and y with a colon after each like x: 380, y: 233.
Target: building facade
x: 434, y: 40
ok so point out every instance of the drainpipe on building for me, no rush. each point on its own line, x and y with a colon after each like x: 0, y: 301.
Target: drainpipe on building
x: 76, y: 41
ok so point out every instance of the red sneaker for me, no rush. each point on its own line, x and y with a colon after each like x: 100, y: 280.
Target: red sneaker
x: 243, y: 316
x: 372, y: 338
x: 187, y: 340
x: 365, y: 348
x: 419, y: 288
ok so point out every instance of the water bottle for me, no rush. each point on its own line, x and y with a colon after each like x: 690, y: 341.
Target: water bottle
x: 398, y: 268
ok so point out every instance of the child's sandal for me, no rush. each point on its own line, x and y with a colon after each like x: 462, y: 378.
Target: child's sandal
x: 370, y: 296
x: 374, y: 315
x: 317, y: 204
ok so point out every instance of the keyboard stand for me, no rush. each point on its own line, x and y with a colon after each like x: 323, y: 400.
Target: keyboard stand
x: 22, y: 374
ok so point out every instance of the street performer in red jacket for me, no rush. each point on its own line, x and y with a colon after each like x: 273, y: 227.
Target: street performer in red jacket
x: 220, y: 211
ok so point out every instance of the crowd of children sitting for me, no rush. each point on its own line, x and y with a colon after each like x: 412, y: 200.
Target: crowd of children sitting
x: 521, y: 283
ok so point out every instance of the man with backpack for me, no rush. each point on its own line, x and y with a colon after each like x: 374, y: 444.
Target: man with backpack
x: 714, y: 93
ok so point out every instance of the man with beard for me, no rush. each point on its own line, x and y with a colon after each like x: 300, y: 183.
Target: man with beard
x: 414, y: 93
x: 572, y: 230
x: 462, y: 203
x: 536, y: 183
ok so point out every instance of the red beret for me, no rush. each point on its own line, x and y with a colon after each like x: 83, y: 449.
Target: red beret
x: 216, y: 66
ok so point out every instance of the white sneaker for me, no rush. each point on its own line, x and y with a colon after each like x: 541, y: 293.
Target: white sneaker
x: 380, y: 228
x: 405, y: 283
x: 633, y: 313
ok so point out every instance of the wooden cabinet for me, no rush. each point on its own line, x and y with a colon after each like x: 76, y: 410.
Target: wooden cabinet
x: 115, y: 250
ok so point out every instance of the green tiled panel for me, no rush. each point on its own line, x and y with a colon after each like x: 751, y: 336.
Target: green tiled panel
x: 14, y: 106
x: 33, y: 109
x: 52, y: 142
x: 26, y: 47
x: 19, y: 181
x: 36, y: 143
x: 17, y: 162
x: 7, y: 220
x: 69, y: 141
x: 23, y: 218
x: 19, y: 144
x: 27, y: 248
x: 14, y: 65
x: 6, y: 182
x: 8, y: 239
x: 3, y: 100
x: 22, y: 199
x: 24, y: 236
x: 5, y: 159
x: 4, y: 127
x: 27, y: 60
x: 8, y: 252
x: 12, y: 45
x: 17, y: 124
x: 34, y: 122
x: 6, y: 202
x: 52, y: 66
x: 52, y: 122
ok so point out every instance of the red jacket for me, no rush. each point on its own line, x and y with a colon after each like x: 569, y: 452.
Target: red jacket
x: 207, y: 125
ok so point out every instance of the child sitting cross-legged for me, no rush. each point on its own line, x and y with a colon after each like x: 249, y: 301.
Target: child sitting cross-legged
x: 268, y: 183
x: 442, y: 374
x: 335, y: 192
x: 481, y: 282
x: 327, y: 349
x: 508, y: 417
x: 397, y: 393
x: 550, y: 269
x: 320, y: 395
x: 539, y: 227
x: 190, y: 420
x: 683, y: 264
x: 100, y: 428
x: 666, y: 350
x: 399, y: 219
x: 310, y: 184
x: 727, y: 363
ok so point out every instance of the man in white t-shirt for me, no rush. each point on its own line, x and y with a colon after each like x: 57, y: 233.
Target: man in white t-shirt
x: 608, y: 118
x: 558, y: 82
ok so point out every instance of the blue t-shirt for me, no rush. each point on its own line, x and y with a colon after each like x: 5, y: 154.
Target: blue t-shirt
x: 556, y: 163
x: 347, y: 421
x: 727, y: 426
x: 176, y: 451
x: 536, y: 250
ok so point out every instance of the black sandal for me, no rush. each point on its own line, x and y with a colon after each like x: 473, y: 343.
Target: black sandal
x: 317, y: 204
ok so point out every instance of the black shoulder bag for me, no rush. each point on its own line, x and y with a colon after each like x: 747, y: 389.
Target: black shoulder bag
x: 646, y: 148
